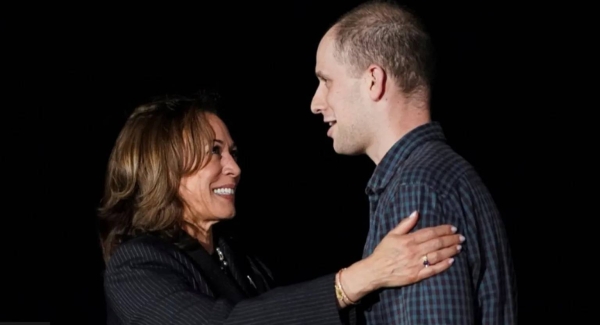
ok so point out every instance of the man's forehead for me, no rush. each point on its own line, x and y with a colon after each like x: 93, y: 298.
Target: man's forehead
x: 326, y: 43
x: 325, y: 55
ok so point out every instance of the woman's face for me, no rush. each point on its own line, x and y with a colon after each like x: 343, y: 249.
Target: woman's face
x: 210, y: 192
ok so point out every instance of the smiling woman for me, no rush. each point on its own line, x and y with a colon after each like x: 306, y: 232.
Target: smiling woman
x: 171, y: 177
x: 161, y: 144
x: 209, y: 192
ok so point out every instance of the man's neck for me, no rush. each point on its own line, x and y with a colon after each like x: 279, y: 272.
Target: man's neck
x: 391, y: 130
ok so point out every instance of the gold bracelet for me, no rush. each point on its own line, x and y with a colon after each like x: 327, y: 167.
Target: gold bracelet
x: 339, y: 293
x: 339, y: 289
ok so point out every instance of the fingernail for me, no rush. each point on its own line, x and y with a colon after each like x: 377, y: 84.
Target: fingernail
x: 451, y: 261
x: 462, y: 238
x: 412, y: 215
x: 453, y: 229
x: 459, y: 247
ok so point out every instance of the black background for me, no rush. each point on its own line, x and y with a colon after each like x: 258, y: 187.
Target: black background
x: 300, y: 206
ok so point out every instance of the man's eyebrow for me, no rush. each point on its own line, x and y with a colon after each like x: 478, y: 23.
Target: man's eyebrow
x: 321, y: 75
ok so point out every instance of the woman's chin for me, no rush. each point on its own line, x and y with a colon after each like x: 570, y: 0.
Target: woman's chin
x: 227, y: 215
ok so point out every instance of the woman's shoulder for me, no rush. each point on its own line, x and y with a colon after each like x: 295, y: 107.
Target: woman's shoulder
x: 145, y: 248
x: 148, y: 267
x: 142, y: 243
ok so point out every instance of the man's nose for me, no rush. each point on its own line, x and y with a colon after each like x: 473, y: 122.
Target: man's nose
x: 317, y: 105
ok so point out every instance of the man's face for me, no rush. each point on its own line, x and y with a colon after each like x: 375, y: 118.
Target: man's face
x: 339, y: 99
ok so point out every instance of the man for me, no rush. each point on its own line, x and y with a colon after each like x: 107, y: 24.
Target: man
x: 374, y: 67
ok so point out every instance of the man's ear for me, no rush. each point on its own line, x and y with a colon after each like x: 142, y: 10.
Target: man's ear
x: 375, y: 81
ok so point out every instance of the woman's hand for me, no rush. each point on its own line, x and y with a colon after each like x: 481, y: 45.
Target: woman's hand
x: 398, y: 260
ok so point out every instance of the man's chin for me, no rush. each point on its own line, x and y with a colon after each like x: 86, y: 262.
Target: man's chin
x: 337, y: 148
x: 345, y: 150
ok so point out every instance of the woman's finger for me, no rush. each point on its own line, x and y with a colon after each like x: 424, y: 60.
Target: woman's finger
x: 425, y: 234
x: 406, y: 224
x: 440, y: 255
x: 434, y: 269
x: 440, y: 243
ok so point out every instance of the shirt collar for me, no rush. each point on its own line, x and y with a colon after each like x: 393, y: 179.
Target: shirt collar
x: 400, y: 151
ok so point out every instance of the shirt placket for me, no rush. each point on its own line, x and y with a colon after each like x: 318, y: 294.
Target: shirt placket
x: 371, y: 244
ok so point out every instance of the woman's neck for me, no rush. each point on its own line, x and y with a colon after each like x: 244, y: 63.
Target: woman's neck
x: 203, y: 234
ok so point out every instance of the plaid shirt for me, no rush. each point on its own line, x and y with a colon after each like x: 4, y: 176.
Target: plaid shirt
x: 421, y: 172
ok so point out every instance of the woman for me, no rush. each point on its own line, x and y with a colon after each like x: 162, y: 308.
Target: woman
x: 171, y: 177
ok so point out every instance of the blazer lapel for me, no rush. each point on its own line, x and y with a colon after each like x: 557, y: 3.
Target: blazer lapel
x: 217, y: 280
x: 241, y: 270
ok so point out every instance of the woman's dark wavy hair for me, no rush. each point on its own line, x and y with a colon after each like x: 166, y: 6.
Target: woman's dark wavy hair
x: 161, y: 142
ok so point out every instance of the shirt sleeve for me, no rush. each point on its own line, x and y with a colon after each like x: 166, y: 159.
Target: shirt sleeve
x: 476, y: 287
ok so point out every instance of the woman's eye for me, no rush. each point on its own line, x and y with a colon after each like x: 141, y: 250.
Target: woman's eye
x: 216, y: 150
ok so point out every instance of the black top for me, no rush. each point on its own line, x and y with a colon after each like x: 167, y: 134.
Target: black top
x: 149, y: 280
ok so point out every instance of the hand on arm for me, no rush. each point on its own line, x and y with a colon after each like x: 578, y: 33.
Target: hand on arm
x: 397, y: 260
x: 447, y: 297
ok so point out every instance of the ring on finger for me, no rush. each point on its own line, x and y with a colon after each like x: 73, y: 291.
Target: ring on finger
x: 425, y: 261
